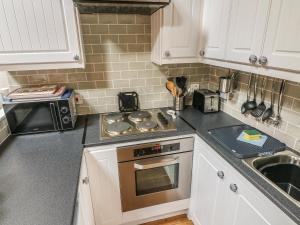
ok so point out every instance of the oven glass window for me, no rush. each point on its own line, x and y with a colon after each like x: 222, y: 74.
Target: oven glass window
x: 156, y: 179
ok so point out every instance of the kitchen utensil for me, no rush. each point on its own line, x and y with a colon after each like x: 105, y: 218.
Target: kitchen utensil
x: 261, y: 107
x: 279, y: 107
x: 172, y: 113
x: 227, y: 83
x: 269, y: 112
x: 171, y: 87
x: 244, y: 107
x: 181, y: 82
x: 251, y: 105
x: 224, y: 84
x: 179, y: 103
x: 128, y: 101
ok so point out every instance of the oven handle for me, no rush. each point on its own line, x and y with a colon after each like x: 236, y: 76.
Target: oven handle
x: 155, y: 164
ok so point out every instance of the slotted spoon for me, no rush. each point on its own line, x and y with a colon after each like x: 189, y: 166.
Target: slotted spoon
x: 261, y: 108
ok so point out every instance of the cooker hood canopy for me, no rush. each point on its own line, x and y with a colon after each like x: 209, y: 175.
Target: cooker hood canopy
x: 143, y: 7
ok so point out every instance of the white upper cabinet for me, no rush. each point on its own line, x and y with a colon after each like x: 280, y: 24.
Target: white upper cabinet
x: 248, y: 21
x: 282, y: 45
x: 214, y: 28
x: 36, y: 32
x: 175, y: 36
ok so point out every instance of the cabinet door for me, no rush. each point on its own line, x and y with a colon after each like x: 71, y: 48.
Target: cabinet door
x: 86, y: 216
x: 104, y: 181
x: 180, y: 34
x: 215, y: 28
x: 282, y: 45
x: 38, y: 31
x: 248, y: 21
x: 207, y: 200
x: 250, y: 206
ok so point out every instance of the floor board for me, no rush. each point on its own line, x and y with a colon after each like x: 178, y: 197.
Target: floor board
x: 176, y: 220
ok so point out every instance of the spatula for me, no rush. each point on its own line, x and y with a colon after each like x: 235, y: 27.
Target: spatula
x: 269, y: 112
x: 260, y: 109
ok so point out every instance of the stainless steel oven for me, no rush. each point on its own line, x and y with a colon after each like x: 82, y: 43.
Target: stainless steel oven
x: 155, y: 173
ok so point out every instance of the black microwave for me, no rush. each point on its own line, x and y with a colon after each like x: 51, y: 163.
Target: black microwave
x: 41, y: 115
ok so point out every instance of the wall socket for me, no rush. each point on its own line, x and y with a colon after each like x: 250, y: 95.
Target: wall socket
x: 194, y: 87
x: 78, y: 99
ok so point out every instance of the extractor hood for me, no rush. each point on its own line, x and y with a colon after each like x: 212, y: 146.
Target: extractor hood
x: 144, y: 7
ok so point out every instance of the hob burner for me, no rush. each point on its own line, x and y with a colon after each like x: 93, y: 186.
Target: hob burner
x: 139, y: 116
x: 112, y: 118
x: 118, y: 128
x: 145, y: 126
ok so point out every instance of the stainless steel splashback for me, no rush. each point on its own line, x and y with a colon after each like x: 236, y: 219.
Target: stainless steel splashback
x: 143, y: 7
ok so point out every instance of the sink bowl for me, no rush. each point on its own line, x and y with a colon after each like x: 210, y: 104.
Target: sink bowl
x: 282, y: 170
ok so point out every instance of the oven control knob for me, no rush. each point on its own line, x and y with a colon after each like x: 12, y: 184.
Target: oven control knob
x: 64, y: 109
x: 66, y: 119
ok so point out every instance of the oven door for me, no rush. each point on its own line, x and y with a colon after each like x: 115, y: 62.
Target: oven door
x: 155, y: 180
x: 32, y: 117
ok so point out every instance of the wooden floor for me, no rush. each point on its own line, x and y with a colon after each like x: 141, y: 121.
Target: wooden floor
x: 177, y: 220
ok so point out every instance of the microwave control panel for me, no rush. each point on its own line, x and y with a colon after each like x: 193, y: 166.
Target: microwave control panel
x: 156, y: 149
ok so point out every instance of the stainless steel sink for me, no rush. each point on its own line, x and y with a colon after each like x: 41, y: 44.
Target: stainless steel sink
x: 282, y: 170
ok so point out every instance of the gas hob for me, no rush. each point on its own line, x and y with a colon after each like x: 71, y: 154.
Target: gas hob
x: 133, y: 123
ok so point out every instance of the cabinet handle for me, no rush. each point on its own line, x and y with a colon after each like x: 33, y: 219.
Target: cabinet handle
x: 263, y: 60
x: 253, y: 59
x: 76, y: 57
x: 233, y: 187
x: 167, y: 54
x: 85, y: 180
x: 220, y: 174
x: 202, y: 53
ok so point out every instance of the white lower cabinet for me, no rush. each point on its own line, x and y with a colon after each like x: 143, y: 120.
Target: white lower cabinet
x: 85, y: 207
x: 221, y: 196
x: 102, y: 168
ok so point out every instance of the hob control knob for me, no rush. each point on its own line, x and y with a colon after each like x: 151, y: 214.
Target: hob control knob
x: 66, y: 120
x: 64, y: 109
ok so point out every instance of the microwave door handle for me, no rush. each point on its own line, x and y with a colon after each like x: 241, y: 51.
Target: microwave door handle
x: 54, y: 116
x: 155, y: 164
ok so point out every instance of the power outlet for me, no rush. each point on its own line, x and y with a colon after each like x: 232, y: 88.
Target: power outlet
x: 78, y: 99
x: 194, y: 87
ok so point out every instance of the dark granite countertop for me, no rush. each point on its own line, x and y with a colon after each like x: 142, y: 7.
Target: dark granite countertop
x: 39, y: 176
x: 204, y: 122
x: 92, y: 137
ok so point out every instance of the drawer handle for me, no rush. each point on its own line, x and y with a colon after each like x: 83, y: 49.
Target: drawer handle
x: 253, y: 59
x: 263, y: 60
x: 167, y: 54
x: 233, y: 187
x: 85, y: 180
x: 202, y: 53
x: 220, y: 174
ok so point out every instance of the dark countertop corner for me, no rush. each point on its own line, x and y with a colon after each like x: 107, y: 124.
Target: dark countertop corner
x: 39, y: 176
x: 202, y: 123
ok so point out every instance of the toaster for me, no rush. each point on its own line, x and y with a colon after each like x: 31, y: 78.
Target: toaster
x: 206, y: 101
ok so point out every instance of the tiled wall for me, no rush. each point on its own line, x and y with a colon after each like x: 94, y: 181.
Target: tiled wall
x: 117, y: 50
x: 4, y: 130
x: 289, y: 131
